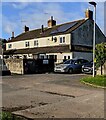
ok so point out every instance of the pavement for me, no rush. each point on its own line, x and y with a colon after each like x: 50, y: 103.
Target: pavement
x: 51, y: 96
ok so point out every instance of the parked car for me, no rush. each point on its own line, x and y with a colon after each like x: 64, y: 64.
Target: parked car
x: 88, y: 68
x: 3, y: 68
x: 71, y: 66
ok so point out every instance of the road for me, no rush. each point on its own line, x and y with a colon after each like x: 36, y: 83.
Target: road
x: 51, y: 96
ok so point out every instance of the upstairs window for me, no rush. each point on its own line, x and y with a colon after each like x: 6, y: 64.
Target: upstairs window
x: 26, y: 44
x: 36, y: 43
x: 62, y: 39
x: 9, y: 45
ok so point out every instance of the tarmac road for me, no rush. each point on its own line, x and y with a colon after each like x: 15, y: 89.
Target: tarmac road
x: 51, y: 96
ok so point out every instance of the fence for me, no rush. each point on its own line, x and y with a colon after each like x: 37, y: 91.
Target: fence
x: 29, y: 66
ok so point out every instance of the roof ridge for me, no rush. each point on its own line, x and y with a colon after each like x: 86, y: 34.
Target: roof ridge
x: 35, y: 33
x: 57, y: 25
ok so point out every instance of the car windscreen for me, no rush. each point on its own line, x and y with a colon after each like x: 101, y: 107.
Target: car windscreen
x: 69, y: 62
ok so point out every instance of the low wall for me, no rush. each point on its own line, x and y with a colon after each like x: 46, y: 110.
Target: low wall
x: 30, y: 66
x: 103, y: 70
x: 15, y: 65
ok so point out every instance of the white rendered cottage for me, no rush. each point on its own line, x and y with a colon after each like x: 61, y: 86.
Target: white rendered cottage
x: 64, y: 41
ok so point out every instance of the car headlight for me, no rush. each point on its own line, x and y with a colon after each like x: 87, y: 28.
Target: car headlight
x: 83, y: 66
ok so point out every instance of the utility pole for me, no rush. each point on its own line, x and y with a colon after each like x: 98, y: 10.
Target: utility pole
x: 94, y: 36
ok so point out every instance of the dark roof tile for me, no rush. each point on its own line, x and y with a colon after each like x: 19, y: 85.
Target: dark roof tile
x: 47, y: 31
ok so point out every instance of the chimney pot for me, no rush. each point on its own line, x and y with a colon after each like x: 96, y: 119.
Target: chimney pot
x: 26, y: 28
x: 51, y: 17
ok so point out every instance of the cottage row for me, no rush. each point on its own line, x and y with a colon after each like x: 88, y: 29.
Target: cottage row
x: 61, y: 42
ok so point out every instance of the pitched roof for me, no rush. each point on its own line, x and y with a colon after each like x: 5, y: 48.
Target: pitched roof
x: 55, y: 30
x: 50, y: 49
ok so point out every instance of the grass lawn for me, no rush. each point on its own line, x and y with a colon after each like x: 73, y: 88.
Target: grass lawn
x: 96, y: 81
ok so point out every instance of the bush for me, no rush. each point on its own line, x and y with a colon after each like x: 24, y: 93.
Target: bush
x: 6, y: 116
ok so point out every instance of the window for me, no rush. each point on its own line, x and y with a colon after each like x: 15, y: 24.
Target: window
x: 55, y: 39
x: 9, y: 45
x: 41, y: 57
x: 62, y: 39
x: 26, y: 44
x: 36, y: 43
x: 69, y: 62
x: 65, y: 57
x: 68, y: 57
x: 55, y: 58
x: 51, y: 56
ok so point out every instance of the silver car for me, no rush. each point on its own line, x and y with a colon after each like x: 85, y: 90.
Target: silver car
x: 71, y: 66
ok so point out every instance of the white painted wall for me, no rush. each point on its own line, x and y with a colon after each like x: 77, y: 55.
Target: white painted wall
x: 42, y: 42
x: 60, y: 56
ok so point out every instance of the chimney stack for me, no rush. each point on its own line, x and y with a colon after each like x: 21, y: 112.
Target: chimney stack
x: 89, y: 14
x: 26, y: 28
x: 51, y: 22
x: 12, y: 35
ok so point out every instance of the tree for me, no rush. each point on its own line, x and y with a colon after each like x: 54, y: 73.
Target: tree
x: 3, y: 43
x: 100, y: 54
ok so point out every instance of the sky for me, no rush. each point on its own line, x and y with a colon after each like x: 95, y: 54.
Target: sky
x: 15, y: 15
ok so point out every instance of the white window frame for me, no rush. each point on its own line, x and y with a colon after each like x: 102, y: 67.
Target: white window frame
x: 27, y: 44
x: 62, y: 39
x: 9, y: 45
x: 36, y: 43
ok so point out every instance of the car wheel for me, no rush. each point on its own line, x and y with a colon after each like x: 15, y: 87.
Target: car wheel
x: 70, y: 70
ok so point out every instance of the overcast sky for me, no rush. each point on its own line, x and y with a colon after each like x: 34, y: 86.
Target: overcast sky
x: 33, y: 14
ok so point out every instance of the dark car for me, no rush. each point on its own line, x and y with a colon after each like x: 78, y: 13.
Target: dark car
x: 88, y: 68
x: 71, y: 66
x: 3, y: 68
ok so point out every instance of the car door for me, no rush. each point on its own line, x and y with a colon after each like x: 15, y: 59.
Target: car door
x: 77, y: 65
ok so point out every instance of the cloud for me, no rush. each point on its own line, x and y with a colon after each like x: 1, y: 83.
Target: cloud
x: 8, y: 26
x: 39, y: 13
x: 36, y: 15
x: 19, y: 5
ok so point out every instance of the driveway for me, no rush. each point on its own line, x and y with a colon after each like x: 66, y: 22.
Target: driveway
x: 51, y: 96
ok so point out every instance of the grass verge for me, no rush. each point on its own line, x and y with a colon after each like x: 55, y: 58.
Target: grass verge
x: 97, y: 81
x: 5, y: 116
x: 9, y: 116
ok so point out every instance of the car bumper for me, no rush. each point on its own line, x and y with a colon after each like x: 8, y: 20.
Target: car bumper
x: 59, y: 70
x: 87, y: 70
